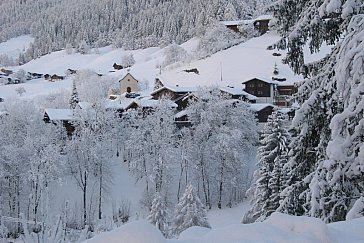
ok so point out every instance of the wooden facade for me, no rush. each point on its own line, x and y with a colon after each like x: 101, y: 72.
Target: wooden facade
x: 262, y: 25
x: 286, y: 89
x: 179, y: 95
x: 259, y: 88
x: 67, y: 124
x: 263, y: 114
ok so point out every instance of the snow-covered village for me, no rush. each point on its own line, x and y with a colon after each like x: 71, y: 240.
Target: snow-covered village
x: 150, y: 121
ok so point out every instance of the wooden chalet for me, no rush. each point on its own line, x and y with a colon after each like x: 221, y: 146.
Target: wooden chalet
x: 286, y: 89
x: 56, y: 77
x: 235, y: 25
x: 178, y: 94
x: 261, y: 24
x: 262, y: 110
x: 66, y: 117
x: 261, y: 88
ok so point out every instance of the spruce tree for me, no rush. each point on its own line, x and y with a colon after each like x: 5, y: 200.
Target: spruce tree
x: 74, y: 97
x: 189, y: 212
x: 158, y: 215
x: 325, y: 166
x: 272, y: 154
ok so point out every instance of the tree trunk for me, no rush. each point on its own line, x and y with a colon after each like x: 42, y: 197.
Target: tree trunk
x: 220, y: 186
x: 84, y: 189
x: 100, y: 193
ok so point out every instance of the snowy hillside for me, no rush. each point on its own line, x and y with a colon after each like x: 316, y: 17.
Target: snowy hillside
x: 13, y: 47
x: 229, y: 67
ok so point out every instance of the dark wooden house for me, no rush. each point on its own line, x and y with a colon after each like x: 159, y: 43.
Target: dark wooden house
x: 66, y: 117
x: 179, y: 95
x: 262, y: 23
x: 284, y: 94
x: 261, y: 88
x: 262, y: 110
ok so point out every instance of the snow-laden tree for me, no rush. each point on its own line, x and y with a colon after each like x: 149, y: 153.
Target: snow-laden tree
x: 230, y: 12
x: 74, y: 100
x: 270, y: 178
x: 127, y: 60
x: 158, y: 215
x: 325, y: 152
x: 83, y: 48
x: 224, y: 135
x: 217, y: 38
x: 150, y: 145
x: 338, y: 179
x: 189, y: 212
x: 69, y: 49
x: 174, y: 53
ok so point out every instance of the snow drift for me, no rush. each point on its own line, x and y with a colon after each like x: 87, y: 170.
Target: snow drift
x: 278, y: 228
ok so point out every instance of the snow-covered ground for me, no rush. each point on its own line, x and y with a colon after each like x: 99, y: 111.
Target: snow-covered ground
x: 13, y: 47
x: 279, y: 228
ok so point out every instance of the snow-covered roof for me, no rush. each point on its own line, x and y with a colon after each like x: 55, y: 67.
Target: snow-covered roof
x: 84, y: 105
x: 154, y: 103
x: 181, y: 114
x: 125, y: 103
x: 237, y: 22
x: 285, y: 110
x: 269, y: 81
x: 128, y: 73
x: 264, y: 17
x: 260, y: 106
x: 122, y: 103
x: 236, y: 91
x: 61, y: 114
x: 176, y: 89
x: 246, y: 21
x: 148, y: 103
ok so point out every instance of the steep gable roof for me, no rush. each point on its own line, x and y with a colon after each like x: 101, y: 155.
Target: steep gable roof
x: 130, y: 76
x: 261, y: 79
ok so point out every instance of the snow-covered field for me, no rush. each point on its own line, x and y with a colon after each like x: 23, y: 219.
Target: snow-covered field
x: 13, y: 47
x: 279, y: 228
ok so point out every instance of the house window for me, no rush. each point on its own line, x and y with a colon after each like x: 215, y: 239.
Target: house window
x: 128, y: 89
x: 260, y: 85
x: 251, y: 85
x: 128, y: 79
x: 260, y: 92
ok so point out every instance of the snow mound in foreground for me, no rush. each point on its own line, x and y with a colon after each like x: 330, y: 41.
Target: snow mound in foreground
x: 135, y: 232
x: 278, y: 228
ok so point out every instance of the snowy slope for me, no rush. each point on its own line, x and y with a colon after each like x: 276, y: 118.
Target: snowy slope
x: 233, y: 66
x: 13, y: 47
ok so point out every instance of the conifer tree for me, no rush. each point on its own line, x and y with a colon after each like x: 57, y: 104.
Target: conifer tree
x: 74, y: 97
x: 323, y: 168
x: 272, y: 154
x: 189, y: 212
x: 158, y: 215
